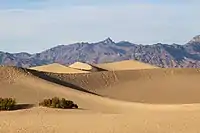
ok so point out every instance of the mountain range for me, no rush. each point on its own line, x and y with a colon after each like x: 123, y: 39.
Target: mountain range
x: 162, y: 55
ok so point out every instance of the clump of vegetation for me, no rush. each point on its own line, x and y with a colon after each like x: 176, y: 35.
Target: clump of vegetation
x: 7, y: 104
x: 58, y: 103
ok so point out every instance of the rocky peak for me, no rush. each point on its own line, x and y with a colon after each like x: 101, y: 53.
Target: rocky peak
x: 195, y: 39
x: 108, y: 41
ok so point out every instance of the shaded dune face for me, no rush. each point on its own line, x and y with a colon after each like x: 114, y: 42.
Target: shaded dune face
x: 155, y: 86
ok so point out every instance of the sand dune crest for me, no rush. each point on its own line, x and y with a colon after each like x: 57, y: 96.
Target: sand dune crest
x: 57, y: 68
x: 81, y: 66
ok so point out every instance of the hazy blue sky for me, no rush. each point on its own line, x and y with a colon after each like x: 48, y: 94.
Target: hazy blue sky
x: 34, y: 25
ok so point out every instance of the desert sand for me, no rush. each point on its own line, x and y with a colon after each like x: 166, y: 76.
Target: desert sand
x: 86, y: 67
x: 57, y: 68
x: 125, y: 65
x: 81, y: 66
x: 123, y: 101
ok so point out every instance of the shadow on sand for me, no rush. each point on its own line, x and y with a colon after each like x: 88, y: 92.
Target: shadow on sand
x: 45, y: 76
x: 20, y: 107
x: 23, y: 106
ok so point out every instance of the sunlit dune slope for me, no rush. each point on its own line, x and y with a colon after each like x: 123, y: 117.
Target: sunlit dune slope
x: 81, y: 66
x: 57, y: 68
x: 159, y: 86
x: 125, y: 65
x: 86, y: 67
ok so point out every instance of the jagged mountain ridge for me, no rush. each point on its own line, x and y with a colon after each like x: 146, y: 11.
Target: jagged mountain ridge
x: 163, y: 55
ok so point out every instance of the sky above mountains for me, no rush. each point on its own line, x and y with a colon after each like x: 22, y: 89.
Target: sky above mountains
x: 35, y: 25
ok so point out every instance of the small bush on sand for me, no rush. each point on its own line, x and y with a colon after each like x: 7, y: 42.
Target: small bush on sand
x: 58, y: 103
x: 7, y: 104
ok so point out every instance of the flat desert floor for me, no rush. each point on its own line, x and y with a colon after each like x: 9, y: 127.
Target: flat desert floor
x: 121, y: 101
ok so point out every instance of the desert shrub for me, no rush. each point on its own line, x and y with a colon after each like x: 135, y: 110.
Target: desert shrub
x: 7, y: 104
x: 58, y: 103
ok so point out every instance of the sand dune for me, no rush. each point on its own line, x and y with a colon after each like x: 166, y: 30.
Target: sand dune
x: 159, y: 86
x: 81, y: 66
x: 125, y: 65
x: 145, y: 101
x: 29, y: 88
x: 86, y: 67
x: 57, y: 68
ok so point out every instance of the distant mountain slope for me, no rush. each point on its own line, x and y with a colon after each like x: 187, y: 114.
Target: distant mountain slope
x: 162, y: 55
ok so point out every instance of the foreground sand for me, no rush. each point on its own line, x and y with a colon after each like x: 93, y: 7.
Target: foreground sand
x: 152, y: 101
x: 40, y: 120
